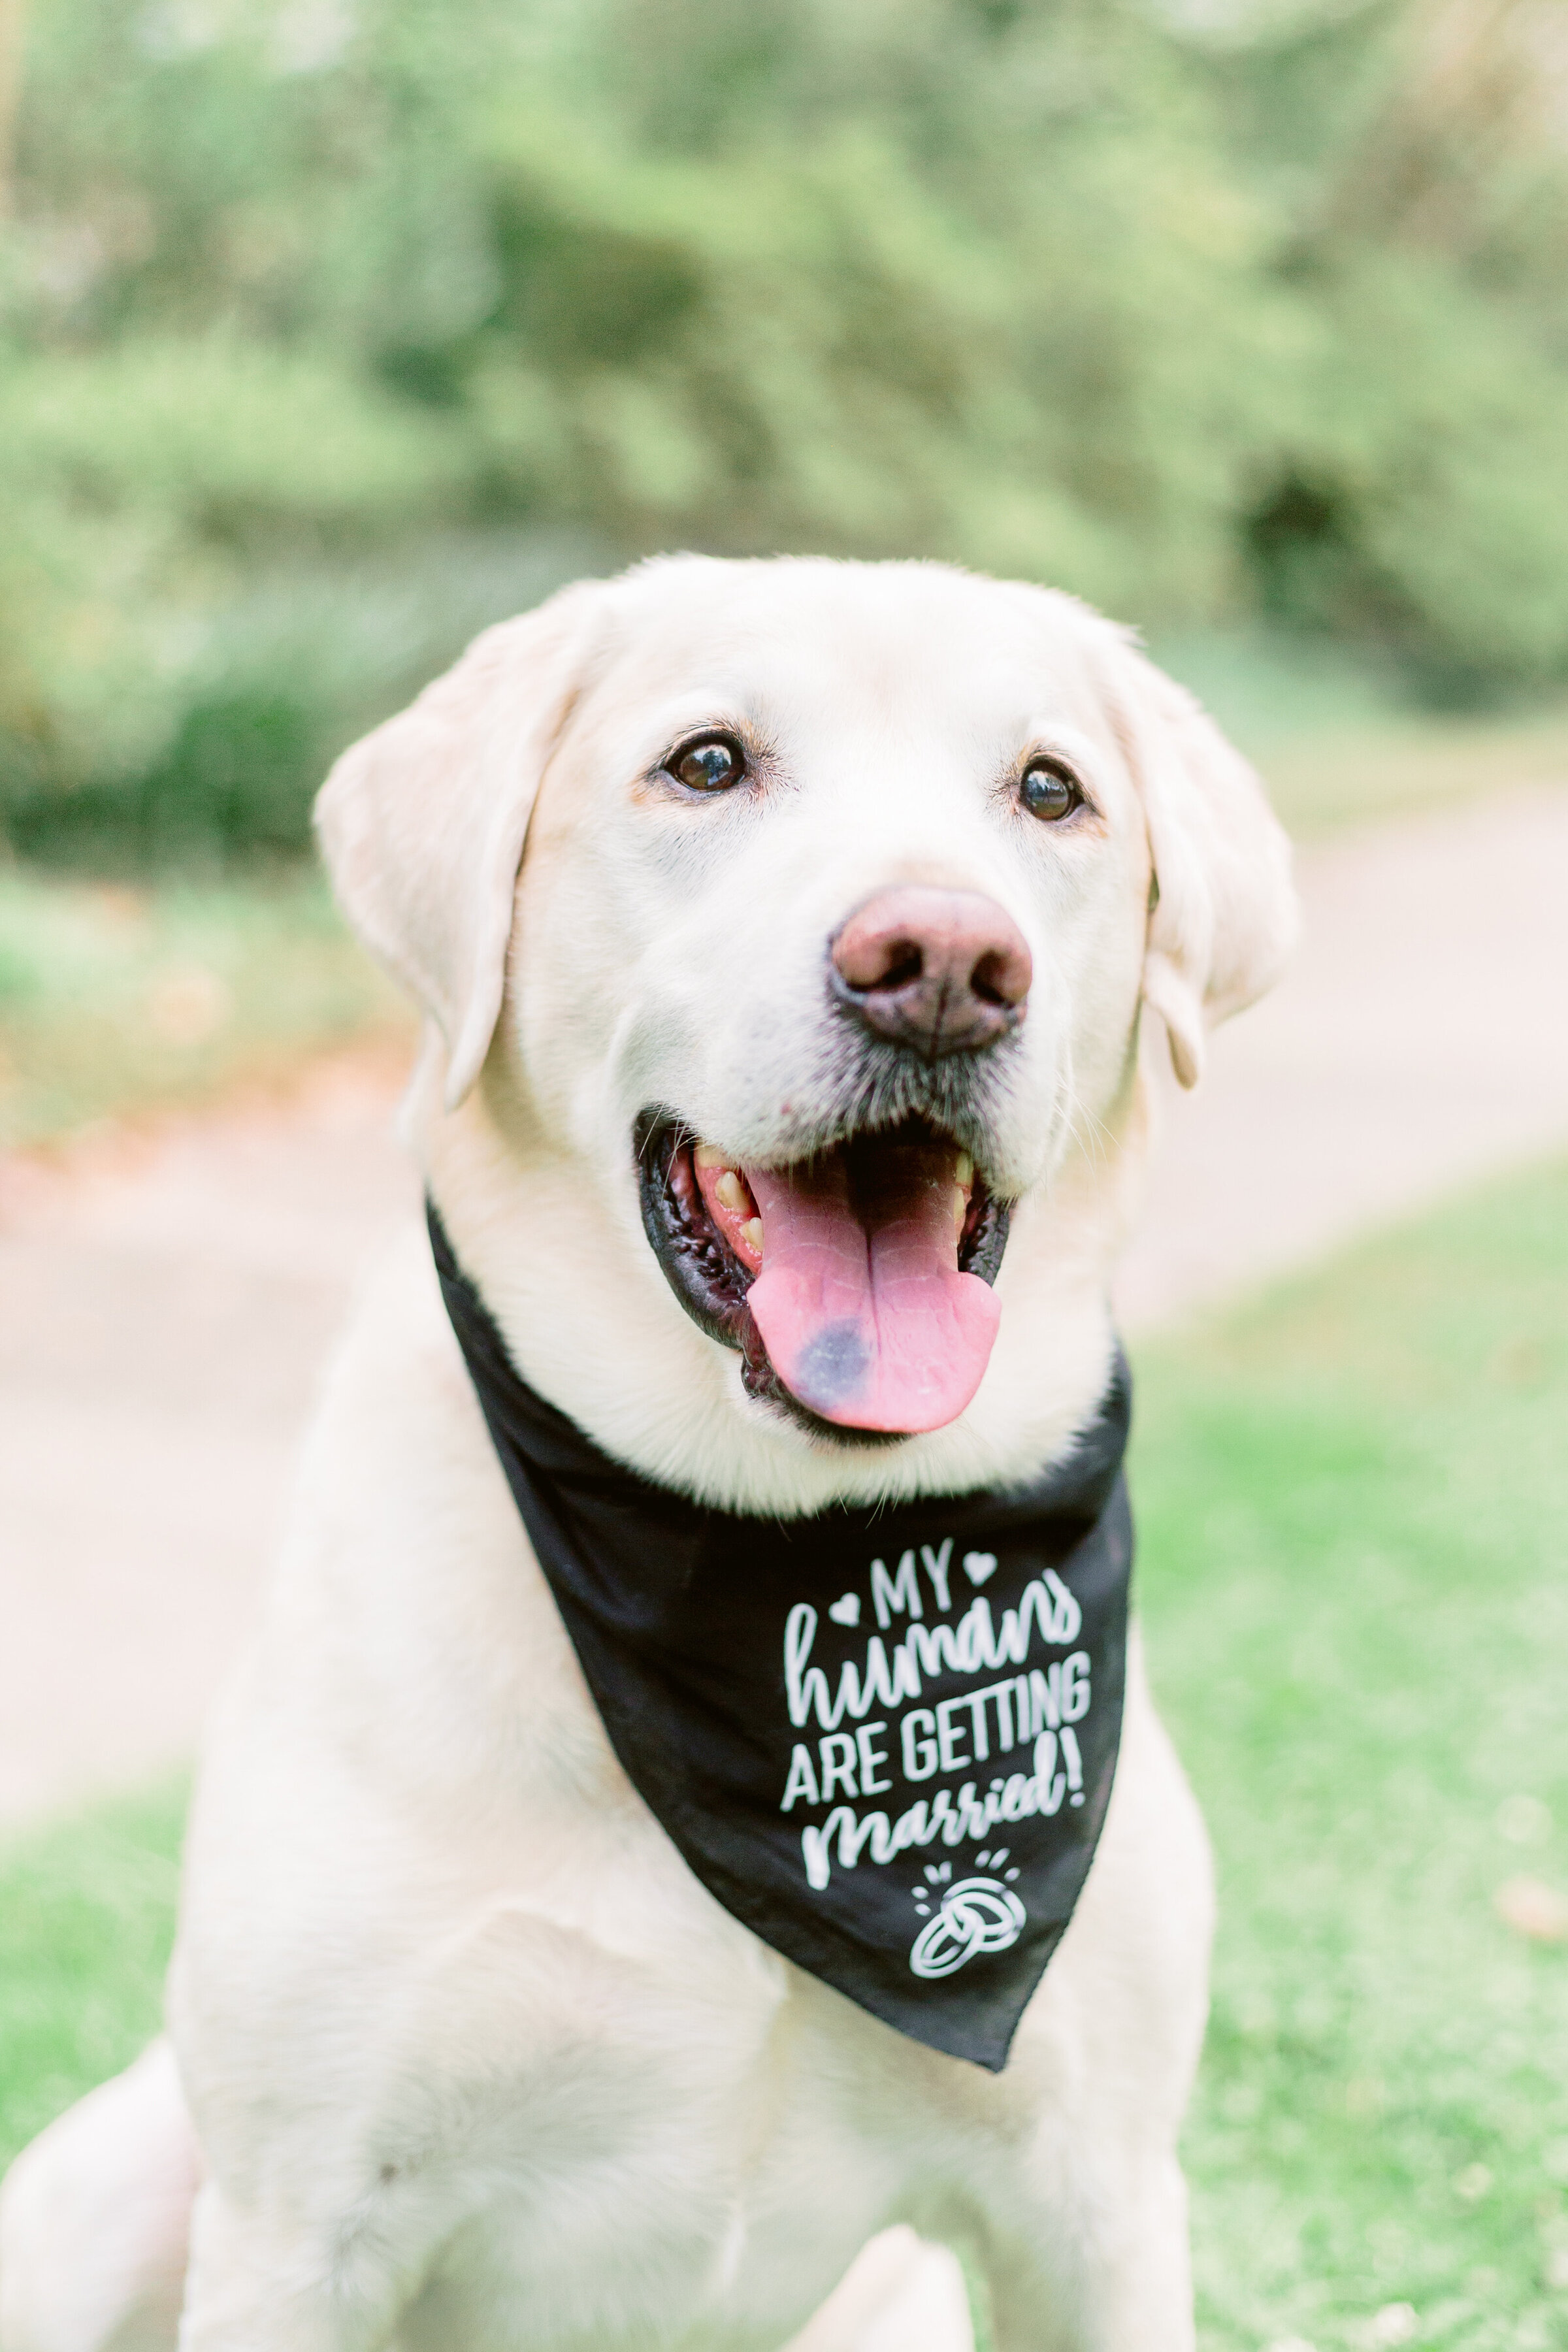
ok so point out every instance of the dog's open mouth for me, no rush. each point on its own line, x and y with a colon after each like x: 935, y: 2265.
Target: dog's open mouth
x: 857, y: 1284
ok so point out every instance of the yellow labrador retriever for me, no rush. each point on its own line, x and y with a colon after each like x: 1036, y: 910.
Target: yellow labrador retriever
x: 781, y: 1112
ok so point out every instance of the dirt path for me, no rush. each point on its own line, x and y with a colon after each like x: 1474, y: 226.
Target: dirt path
x: 1419, y: 1040
x: 164, y: 1307
x: 164, y: 1310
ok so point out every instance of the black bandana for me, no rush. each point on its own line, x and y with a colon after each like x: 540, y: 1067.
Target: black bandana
x: 884, y: 1739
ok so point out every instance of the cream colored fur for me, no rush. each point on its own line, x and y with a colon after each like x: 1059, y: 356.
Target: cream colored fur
x: 468, y: 2061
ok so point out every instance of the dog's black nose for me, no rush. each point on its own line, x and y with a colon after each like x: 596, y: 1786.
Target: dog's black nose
x: 941, y: 971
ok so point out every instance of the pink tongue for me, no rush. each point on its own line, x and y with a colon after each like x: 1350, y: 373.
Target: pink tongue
x: 860, y: 1303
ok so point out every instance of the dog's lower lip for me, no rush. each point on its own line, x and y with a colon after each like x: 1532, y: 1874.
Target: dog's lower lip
x: 712, y: 1282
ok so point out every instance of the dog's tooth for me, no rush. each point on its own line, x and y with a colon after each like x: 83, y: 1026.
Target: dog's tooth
x: 960, y: 1209
x: 965, y: 1172
x: 730, y: 1193
x: 751, y: 1235
x: 708, y: 1155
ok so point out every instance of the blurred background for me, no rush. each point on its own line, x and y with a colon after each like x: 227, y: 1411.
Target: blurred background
x: 332, y: 330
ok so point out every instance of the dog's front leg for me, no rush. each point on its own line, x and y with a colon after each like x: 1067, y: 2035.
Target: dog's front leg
x: 1102, y: 2278
x: 900, y: 2294
x: 262, y: 2285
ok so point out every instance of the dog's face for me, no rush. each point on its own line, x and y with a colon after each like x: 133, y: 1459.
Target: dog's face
x: 841, y: 892
x: 852, y: 885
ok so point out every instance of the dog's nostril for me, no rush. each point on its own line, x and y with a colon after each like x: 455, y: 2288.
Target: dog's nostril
x: 988, y: 981
x: 905, y: 963
x: 873, y: 959
x: 1002, y: 977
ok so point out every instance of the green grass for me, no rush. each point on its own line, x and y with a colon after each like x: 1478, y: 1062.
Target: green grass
x: 85, y: 1920
x: 1354, y: 1500
x: 1353, y: 1503
x: 117, y: 1000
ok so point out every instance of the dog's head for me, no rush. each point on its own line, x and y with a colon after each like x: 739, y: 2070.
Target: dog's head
x: 843, y: 885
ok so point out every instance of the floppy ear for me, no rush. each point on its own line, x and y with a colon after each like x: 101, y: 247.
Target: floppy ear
x: 422, y: 824
x: 1223, y: 916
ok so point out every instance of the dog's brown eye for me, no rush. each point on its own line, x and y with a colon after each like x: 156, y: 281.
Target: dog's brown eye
x: 711, y: 765
x: 1049, y: 792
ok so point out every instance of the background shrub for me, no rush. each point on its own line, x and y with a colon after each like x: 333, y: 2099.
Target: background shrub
x: 331, y: 329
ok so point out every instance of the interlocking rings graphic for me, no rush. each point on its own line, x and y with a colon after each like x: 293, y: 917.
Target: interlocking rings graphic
x: 977, y: 1915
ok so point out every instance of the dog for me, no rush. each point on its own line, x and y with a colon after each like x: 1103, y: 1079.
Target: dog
x: 737, y: 870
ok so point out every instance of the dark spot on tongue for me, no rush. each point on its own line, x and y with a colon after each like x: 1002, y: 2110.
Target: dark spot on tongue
x: 834, y: 1365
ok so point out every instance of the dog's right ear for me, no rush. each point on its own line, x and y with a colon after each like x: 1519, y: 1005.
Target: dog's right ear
x: 422, y: 823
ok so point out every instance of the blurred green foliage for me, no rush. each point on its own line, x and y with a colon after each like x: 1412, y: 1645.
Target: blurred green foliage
x: 332, y: 329
x: 119, y: 998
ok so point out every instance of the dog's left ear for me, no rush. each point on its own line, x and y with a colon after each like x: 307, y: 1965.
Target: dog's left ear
x: 422, y: 823
x: 1223, y: 915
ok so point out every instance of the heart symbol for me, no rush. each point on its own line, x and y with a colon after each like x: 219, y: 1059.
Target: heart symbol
x: 980, y: 1567
x: 847, y: 1610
